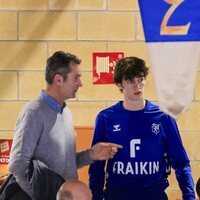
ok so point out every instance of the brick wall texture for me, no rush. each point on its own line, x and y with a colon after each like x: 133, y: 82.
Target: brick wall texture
x: 31, y: 30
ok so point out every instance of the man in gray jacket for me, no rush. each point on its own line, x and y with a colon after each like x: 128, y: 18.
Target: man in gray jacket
x: 44, y: 129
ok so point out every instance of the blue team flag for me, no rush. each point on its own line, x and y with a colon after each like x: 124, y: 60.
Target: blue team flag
x: 172, y: 34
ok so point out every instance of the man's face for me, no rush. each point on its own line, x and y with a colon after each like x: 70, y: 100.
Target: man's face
x: 70, y: 86
x: 133, y: 89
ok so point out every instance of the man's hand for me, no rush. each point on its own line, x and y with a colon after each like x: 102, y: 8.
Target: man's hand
x: 104, y: 150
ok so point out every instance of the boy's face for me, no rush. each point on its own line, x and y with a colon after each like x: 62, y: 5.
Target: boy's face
x: 133, y: 89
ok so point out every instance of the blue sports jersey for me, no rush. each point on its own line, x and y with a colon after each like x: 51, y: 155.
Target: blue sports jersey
x: 151, y: 143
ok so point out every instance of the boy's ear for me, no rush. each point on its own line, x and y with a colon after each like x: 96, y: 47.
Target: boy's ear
x: 119, y: 85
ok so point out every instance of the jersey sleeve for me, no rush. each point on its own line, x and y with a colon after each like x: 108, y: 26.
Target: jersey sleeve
x: 96, y: 170
x: 179, y: 160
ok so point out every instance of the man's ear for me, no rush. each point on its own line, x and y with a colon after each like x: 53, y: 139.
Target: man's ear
x: 58, y: 79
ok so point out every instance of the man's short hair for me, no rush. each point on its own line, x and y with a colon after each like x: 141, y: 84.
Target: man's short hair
x: 59, y: 63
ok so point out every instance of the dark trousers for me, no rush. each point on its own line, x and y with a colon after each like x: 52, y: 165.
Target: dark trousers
x: 135, y: 196
x: 10, y: 190
x: 43, y: 182
x: 20, y: 195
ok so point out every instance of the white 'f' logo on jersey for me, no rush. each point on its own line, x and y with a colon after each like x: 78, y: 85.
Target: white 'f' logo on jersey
x: 134, y: 145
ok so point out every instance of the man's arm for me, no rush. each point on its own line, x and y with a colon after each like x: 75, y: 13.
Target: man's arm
x: 24, y: 144
x: 179, y: 160
x: 99, y: 151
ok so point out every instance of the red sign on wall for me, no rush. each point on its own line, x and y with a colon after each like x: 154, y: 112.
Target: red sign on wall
x: 5, y: 147
x: 103, y: 66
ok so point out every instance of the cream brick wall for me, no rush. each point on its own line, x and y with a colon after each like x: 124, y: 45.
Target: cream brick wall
x: 107, y: 26
x: 77, y: 4
x: 6, y: 135
x: 23, y: 55
x: 126, y: 5
x: 190, y: 120
x: 8, y: 85
x: 191, y: 141
x: 47, y: 26
x: 139, y: 28
x: 85, y: 112
x: 30, y: 84
x: 23, y: 5
x: 31, y: 30
x: 8, y: 115
x: 8, y: 24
